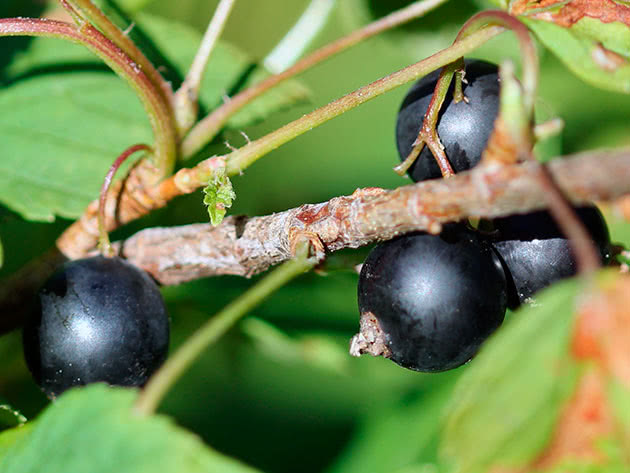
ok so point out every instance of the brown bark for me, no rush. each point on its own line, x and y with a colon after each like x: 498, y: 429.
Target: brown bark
x: 246, y: 246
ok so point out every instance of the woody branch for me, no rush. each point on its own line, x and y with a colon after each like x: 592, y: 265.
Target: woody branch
x: 246, y: 246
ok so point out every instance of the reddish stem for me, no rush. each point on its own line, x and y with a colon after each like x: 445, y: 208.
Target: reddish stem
x: 526, y: 46
x: 428, y: 130
x: 158, y: 111
x: 105, y: 246
x: 585, y: 252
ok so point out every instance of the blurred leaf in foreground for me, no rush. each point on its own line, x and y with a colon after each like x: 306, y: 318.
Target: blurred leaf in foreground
x: 316, y: 350
x: 94, y: 429
x: 399, y: 436
x: 506, y: 404
x: 11, y: 437
x: 550, y: 393
x: 592, y: 37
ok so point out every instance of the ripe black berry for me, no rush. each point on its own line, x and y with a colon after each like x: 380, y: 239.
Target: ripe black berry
x: 464, y: 128
x: 537, y: 254
x: 429, y: 301
x: 96, y: 319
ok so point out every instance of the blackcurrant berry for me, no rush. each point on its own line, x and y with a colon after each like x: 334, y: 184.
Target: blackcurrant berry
x: 464, y: 128
x: 96, y: 319
x: 428, y: 302
x: 536, y: 253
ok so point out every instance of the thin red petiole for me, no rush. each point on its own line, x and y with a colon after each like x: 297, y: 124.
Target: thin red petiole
x: 104, y: 244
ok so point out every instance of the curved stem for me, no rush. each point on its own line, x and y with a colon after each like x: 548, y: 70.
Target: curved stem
x: 585, y: 251
x: 158, y: 111
x: 527, y: 48
x: 96, y: 17
x: 218, y: 325
x: 189, y: 179
x: 205, y: 130
x: 105, y: 246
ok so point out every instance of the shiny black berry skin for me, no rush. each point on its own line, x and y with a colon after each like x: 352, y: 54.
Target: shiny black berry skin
x: 464, y: 128
x: 436, y: 297
x: 96, y: 319
x: 536, y: 253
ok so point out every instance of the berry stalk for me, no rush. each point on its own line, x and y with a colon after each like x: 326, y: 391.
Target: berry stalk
x: 428, y: 131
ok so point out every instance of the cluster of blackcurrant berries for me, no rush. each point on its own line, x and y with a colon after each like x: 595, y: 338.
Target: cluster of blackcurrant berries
x: 428, y: 302
x: 96, y: 319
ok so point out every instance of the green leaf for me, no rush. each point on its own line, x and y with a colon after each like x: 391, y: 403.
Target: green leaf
x: 619, y: 395
x: 218, y: 196
x: 595, y: 51
x: 505, y: 406
x: 316, y: 350
x: 133, y: 5
x: 94, y: 429
x: 400, y: 435
x: 1, y: 254
x: 502, y: 4
x: 279, y: 97
x: 59, y: 139
x: 66, y: 117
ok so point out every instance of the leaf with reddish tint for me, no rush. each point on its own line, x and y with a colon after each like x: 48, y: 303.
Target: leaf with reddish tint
x: 551, y: 392
x: 602, y: 337
x: 593, y: 431
x: 592, y: 37
x: 506, y: 404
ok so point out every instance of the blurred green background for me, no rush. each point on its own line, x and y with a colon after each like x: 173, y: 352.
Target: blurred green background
x: 280, y: 392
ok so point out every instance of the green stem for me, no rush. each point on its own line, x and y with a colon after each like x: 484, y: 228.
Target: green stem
x: 204, y: 131
x: 186, y: 98
x: 159, y: 113
x: 218, y: 325
x: 94, y: 15
x: 248, y: 154
x: 300, y: 36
